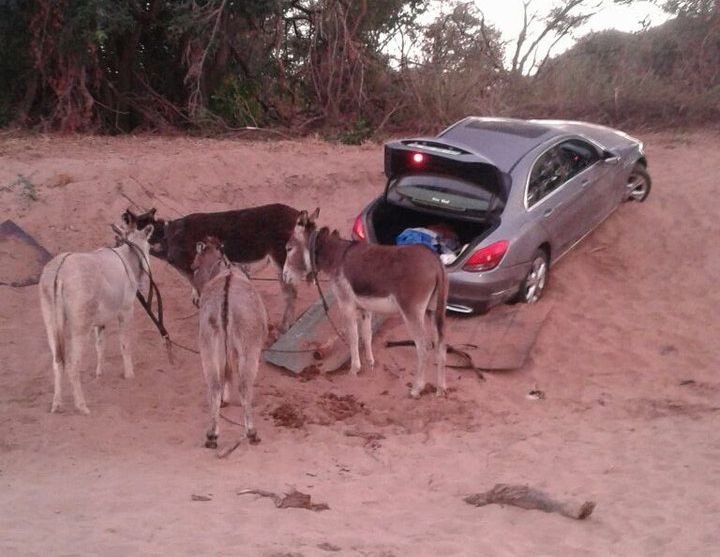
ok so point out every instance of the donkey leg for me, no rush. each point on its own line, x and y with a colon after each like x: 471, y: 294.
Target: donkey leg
x: 124, y: 321
x: 248, y: 368
x: 58, y: 364
x: 58, y: 368
x: 212, y: 369
x: 351, y: 330
x: 289, y: 292
x: 366, y: 333
x: 439, y: 349
x: 75, y: 347
x: 99, y: 348
x: 230, y: 389
x: 416, y: 327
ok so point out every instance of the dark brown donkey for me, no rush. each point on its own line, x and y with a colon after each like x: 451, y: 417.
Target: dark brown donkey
x: 248, y: 235
x: 367, y: 278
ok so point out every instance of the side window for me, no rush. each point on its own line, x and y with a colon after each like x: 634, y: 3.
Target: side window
x: 578, y: 155
x: 557, y: 165
x: 547, y: 175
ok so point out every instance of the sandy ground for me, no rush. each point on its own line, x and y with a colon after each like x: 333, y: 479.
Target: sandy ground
x: 628, y: 360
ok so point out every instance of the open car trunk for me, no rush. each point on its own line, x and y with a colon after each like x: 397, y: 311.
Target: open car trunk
x: 387, y: 221
x: 455, y: 197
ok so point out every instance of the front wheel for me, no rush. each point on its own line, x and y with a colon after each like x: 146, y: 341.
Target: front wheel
x: 536, y: 280
x: 638, y: 184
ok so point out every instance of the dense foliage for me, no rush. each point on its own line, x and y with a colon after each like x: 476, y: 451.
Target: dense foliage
x: 348, y: 67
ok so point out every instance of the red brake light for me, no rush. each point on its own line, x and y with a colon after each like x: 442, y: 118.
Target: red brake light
x: 418, y: 158
x: 487, y: 258
x: 358, y: 229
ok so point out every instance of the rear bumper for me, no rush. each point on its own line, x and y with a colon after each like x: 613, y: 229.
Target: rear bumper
x: 480, y: 291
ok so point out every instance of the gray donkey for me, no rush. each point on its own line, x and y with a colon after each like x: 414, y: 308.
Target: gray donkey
x: 84, y: 291
x: 233, y: 328
x: 367, y: 278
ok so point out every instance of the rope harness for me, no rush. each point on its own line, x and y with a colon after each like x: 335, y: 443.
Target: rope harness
x: 312, y: 249
x: 153, y: 290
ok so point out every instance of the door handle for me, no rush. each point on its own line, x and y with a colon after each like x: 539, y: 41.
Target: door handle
x: 548, y: 212
x: 585, y: 183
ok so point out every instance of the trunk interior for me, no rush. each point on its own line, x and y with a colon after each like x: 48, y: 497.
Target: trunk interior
x: 387, y: 221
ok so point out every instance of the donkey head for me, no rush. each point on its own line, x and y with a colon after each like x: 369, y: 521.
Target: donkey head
x: 298, y: 258
x: 138, y: 240
x: 157, y: 241
x: 209, y: 261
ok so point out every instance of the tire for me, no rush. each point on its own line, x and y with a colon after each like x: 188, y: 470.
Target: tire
x: 639, y: 183
x: 535, y: 282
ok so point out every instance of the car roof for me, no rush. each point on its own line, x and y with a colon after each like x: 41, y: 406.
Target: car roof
x: 504, y: 141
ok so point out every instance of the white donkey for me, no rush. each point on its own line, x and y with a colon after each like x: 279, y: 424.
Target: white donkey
x: 84, y: 291
x: 233, y: 328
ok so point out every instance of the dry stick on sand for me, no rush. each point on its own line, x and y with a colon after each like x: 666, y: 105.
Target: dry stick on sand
x: 532, y: 499
x: 467, y: 359
x: 295, y: 499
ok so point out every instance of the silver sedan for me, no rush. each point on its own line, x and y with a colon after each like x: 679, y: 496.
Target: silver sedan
x: 501, y: 200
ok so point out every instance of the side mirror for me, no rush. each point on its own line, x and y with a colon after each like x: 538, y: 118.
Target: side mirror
x: 610, y: 158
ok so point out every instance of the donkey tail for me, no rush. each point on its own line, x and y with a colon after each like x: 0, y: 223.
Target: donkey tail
x: 57, y: 314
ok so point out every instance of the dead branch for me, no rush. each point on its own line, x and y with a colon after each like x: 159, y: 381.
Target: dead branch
x: 532, y: 499
x: 195, y: 71
x: 151, y: 195
x: 294, y: 499
x: 468, y: 361
x: 227, y: 451
x: 126, y: 196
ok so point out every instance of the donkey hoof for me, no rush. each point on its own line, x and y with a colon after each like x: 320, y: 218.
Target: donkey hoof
x: 441, y: 392
x: 253, y: 437
x: 83, y: 409
x: 55, y: 408
x: 415, y: 392
x: 211, y: 441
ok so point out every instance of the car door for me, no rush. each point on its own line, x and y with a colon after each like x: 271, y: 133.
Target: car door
x: 555, y: 197
x: 596, y: 182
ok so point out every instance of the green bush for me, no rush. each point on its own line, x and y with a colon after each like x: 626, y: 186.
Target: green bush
x: 236, y: 102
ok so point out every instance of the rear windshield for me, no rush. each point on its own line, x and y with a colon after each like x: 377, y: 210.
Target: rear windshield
x: 442, y: 192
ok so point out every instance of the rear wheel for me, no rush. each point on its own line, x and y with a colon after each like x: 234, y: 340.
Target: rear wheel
x: 536, y: 280
x: 639, y: 183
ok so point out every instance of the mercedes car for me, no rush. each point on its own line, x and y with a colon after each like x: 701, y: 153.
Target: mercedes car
x: 501, y: 200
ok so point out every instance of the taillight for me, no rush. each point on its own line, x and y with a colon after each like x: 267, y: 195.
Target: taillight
x: 418, y: 158
x: 358, y: 229
x: 487, y: 258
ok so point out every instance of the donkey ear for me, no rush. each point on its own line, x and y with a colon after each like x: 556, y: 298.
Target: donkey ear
x: 335, y: 234
x: 148, y: 230
x: 200, y: 247
x: 152, y: 212
x: 128, y: 217
x: 315, y: 214
x: 302, y: 219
